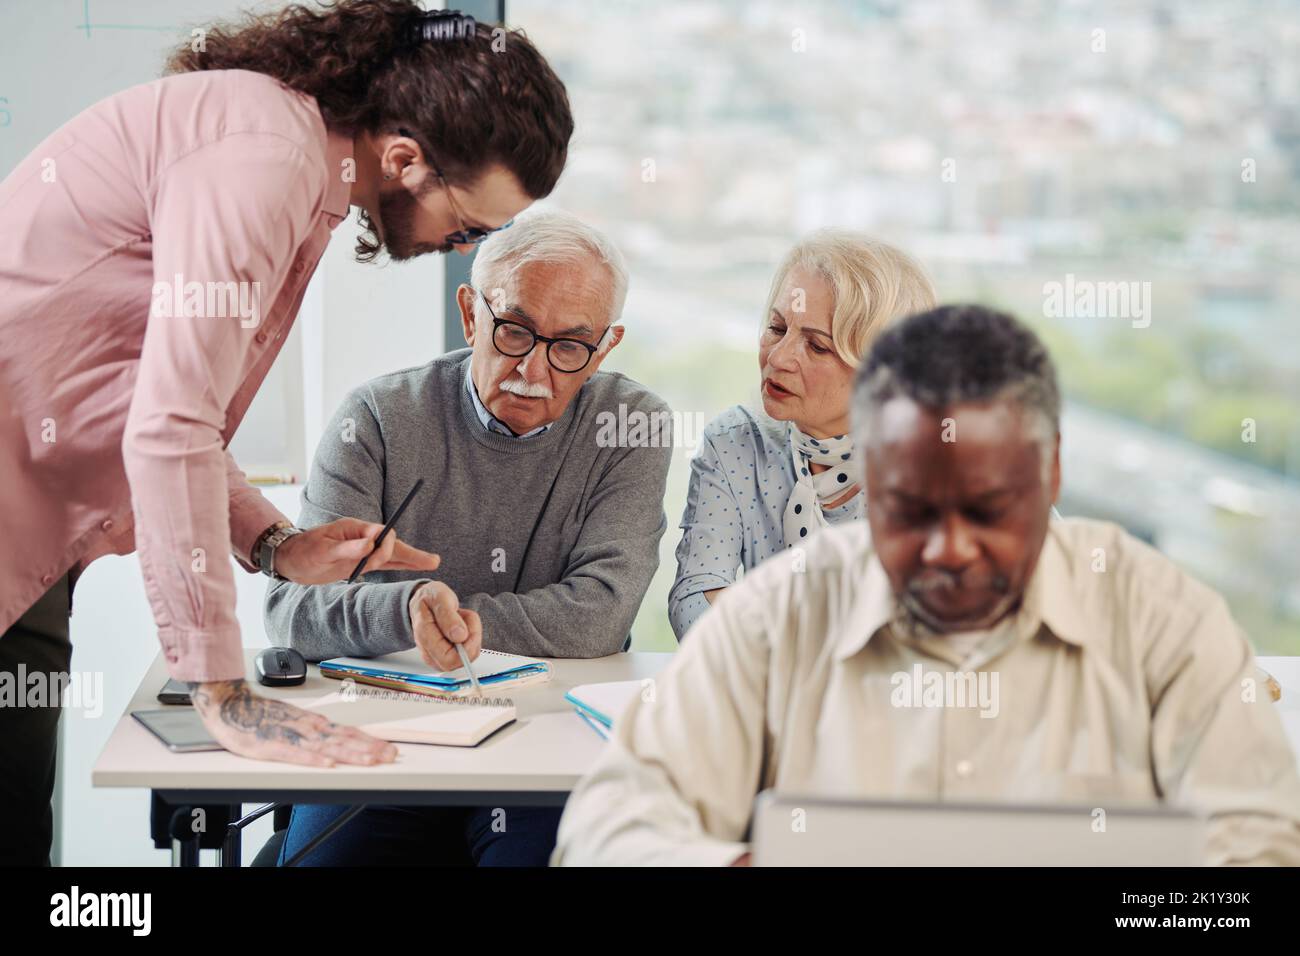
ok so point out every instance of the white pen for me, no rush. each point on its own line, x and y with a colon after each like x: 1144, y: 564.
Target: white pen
x: 464, y: 661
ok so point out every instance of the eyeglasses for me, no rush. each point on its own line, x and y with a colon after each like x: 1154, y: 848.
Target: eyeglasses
x: 463, y: 236
x: 516, y: 341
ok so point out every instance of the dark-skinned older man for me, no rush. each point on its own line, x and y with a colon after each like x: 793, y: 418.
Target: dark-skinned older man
x: 1122, y: 678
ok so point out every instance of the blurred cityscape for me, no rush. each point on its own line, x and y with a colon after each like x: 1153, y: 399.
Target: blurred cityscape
x: 1008, y: 145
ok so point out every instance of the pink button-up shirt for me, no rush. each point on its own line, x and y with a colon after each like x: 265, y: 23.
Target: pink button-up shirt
x: 156, y: 250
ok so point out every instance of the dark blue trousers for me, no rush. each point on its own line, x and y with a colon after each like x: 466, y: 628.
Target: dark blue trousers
x: 425, y: 836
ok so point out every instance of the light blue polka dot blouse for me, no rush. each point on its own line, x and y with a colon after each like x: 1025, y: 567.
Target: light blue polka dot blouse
x: 741, y: 479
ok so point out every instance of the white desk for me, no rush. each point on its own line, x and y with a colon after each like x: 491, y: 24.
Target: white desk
x: 539, y: 757
x: 533, y: 762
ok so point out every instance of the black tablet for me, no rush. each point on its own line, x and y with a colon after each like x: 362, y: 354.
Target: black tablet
x: 180, y: 729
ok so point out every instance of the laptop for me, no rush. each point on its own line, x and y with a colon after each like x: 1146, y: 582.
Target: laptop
x: 789, y: 830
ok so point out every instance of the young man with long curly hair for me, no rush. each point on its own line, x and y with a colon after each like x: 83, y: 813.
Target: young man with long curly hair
x: 160, y: 245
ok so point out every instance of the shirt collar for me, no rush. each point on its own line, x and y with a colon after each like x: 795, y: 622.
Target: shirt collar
x: 1048, y: 599
x: 1051, y: 596
x: 490, y: 421
x: 338, y: 190
x: 873, y: 607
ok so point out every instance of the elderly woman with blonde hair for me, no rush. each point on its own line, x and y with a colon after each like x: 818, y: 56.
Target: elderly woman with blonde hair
x: 765, y: 480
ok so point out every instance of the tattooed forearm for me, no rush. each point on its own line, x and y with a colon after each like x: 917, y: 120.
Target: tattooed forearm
x: 238, y: 707
x: 206, y: 695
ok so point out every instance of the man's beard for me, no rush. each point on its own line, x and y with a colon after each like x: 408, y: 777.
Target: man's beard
x: 397, y: 217
x: 915, y: 610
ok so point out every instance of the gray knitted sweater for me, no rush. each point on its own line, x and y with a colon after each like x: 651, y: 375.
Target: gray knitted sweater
x: 552, y: 539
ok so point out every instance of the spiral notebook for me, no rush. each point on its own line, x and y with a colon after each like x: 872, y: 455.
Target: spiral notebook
x: 406, y: 671
x: 455, y: 722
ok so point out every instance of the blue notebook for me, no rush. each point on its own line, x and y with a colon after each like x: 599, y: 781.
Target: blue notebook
x: 407, y: 671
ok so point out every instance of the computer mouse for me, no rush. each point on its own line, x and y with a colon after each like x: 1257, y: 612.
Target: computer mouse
x: 281, y: 667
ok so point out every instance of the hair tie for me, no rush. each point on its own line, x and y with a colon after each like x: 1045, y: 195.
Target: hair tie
x: 439, y: 26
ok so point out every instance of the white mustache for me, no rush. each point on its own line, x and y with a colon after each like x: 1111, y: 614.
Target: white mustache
x: 517, y: 386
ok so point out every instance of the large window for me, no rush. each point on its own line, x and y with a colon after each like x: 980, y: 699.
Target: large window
x: 1037, y: 157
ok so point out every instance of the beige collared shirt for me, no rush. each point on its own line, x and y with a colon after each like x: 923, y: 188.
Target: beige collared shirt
x: 1119, y: 679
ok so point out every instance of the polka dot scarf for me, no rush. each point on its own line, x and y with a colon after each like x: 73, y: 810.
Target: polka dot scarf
x: 803, y: 512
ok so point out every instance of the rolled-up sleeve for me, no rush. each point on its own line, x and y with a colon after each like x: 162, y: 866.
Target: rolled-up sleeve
x: 663, y: 792
x: 712, y: 546
x: 235, y: 210
x: 250, y: 514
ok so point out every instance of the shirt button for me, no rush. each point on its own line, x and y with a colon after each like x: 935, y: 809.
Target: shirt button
x: 964, y: 768
x: 107, y: 524
x: 260, y: 337
x: 298, y: 266
x: 47, y: 580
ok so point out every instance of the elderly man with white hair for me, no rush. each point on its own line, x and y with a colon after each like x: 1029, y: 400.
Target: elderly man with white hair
x: 548, y: 532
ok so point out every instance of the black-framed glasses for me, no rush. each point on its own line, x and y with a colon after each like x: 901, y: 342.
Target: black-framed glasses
x: 516, y: 340
x: 462, y: 236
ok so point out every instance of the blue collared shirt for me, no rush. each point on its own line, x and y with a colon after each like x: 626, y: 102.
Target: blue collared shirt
x: 490, y: 421
x: 741, y: 479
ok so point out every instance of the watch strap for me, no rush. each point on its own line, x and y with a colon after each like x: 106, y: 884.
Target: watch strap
x: 266, y: 549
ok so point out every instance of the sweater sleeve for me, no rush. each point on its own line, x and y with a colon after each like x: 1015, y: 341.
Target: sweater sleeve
x: 589, y: 611
x: 367, y: 618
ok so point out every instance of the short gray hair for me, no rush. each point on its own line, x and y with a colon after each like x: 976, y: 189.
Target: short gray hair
x: 549, y: 235
x: 960, y: 353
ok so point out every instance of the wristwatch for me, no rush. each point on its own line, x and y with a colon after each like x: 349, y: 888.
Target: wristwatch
x: 264, y: 550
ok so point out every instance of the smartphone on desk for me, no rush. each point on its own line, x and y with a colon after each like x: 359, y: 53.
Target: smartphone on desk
x: 174, y: 692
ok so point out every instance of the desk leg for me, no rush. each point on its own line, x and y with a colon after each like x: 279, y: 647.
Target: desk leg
x: 186, y: 829
x: 229, y: 854
x: 185, y: 852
